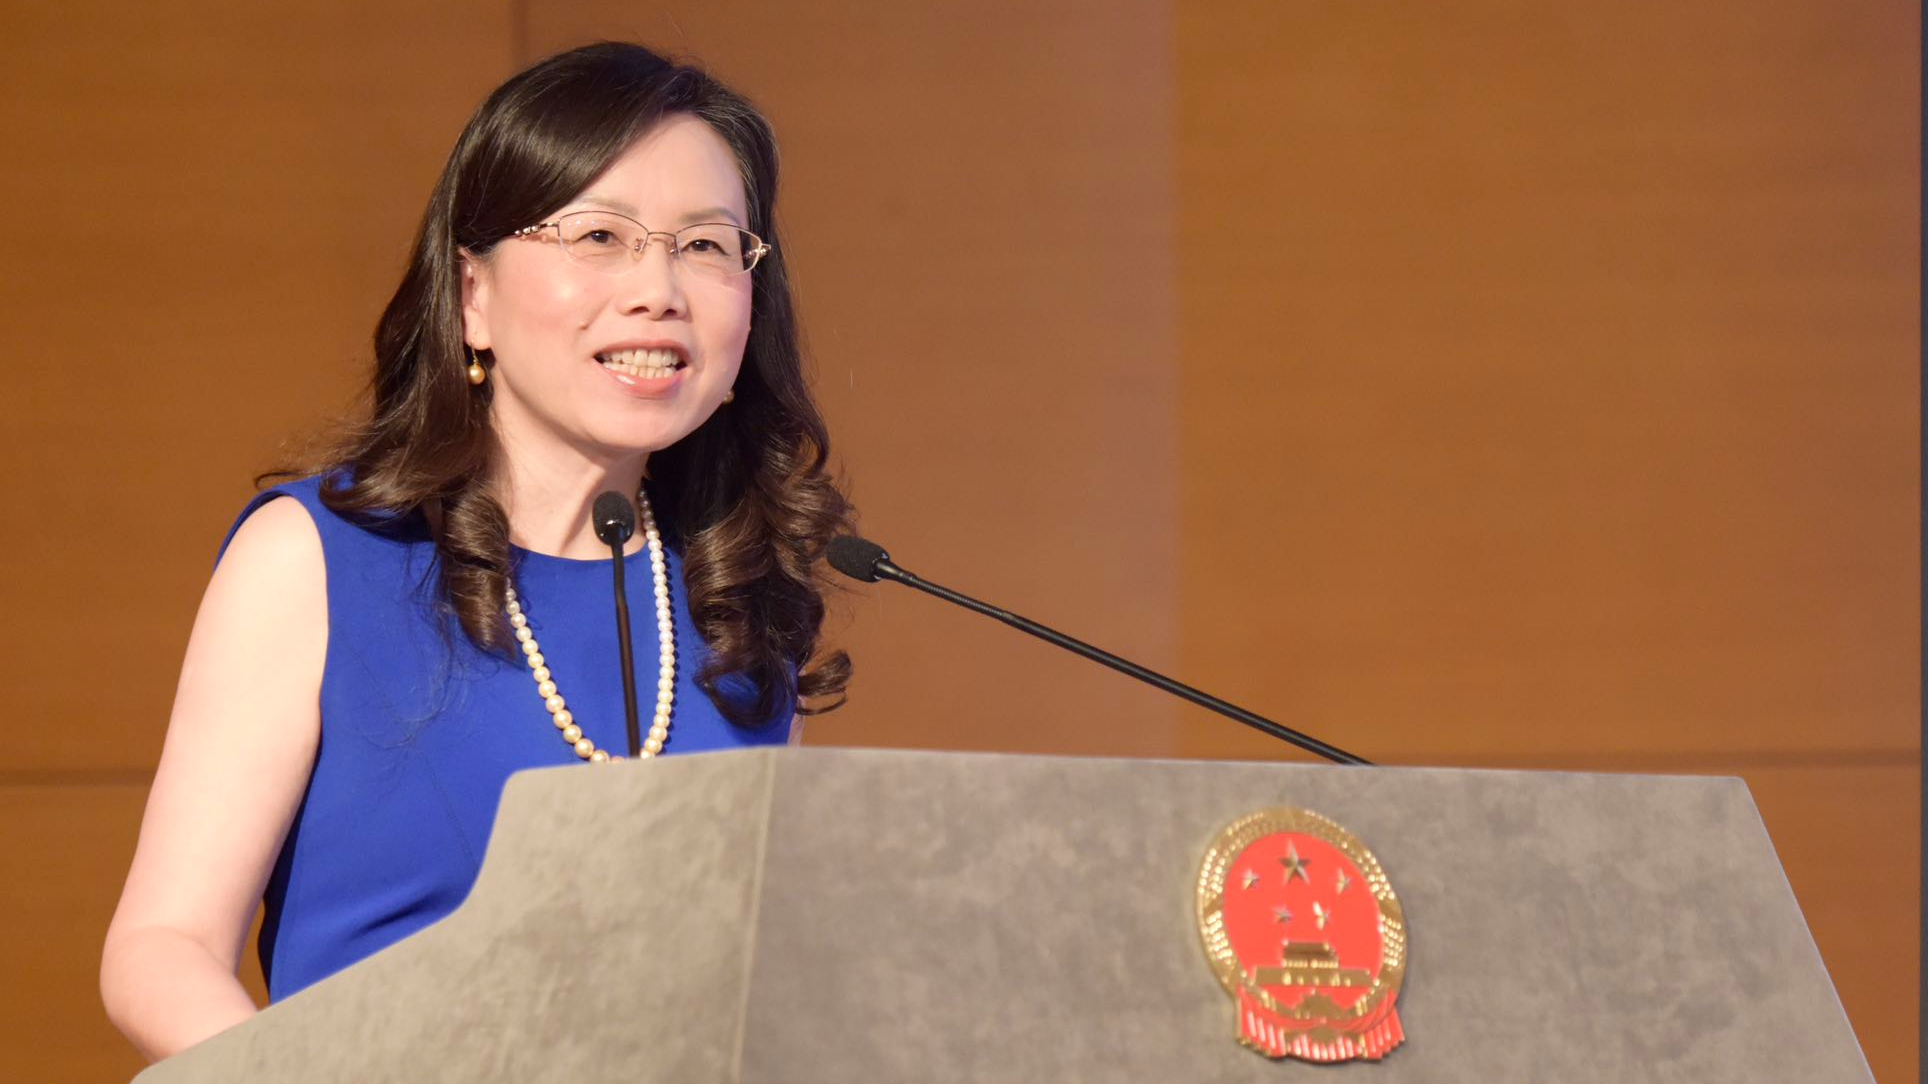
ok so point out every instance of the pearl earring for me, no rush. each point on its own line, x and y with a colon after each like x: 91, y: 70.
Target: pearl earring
x: 730, y: 396
x: 477, y: 374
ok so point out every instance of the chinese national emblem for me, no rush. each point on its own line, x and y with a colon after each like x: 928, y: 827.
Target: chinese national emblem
x: 1302, y: 929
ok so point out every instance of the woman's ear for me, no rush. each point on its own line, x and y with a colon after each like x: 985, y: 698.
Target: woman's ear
x: 475, y: 301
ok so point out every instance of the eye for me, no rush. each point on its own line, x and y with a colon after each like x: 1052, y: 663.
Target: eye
x: 599, y: 237
x: 710, y: 243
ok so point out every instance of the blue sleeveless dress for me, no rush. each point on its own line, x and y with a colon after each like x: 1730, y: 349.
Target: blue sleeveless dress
x: 420, y: 730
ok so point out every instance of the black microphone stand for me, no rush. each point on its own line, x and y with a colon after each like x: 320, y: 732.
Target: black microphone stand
x: 879, y: 565
x: 635, y: 731
x: 614, y: 521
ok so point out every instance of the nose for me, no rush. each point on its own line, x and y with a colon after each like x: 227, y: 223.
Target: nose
x: 654, y: 285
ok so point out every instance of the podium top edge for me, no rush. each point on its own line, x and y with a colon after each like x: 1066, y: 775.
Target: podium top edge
x: 806, y: 752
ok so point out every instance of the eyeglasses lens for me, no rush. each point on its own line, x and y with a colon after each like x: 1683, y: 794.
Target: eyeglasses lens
x: 611, y: 244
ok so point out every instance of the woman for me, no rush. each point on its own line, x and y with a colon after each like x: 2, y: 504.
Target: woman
x: 384, y: 642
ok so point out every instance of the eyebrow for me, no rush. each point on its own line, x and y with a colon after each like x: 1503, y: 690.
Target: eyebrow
x: 704, y: 214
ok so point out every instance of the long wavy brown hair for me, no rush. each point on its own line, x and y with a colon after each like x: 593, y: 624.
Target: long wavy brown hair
x: 746, y: 499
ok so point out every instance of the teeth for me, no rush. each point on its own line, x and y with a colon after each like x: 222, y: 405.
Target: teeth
x: 645, y: 372
x: 648, y: 364
x: 654, y: 359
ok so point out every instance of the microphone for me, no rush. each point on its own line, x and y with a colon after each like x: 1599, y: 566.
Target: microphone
x: 862, y: 559
x: 614, y: 520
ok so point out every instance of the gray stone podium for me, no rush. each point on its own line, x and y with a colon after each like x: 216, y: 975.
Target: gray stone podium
x: 822, y: 915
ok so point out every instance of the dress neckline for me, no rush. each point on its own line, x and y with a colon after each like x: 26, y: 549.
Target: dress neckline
x: 528, y: 556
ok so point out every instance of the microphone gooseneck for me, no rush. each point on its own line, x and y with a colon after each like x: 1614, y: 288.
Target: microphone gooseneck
x: 614, y: 520
x: 862, y: 559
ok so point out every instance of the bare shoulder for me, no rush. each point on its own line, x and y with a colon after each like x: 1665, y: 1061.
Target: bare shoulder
x: 262, y: 631
x: 278, y: 537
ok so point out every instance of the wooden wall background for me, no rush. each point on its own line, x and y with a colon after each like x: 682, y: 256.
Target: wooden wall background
x: 1501, y: 384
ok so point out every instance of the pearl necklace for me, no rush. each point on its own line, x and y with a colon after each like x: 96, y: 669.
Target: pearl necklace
x: 666, y: 656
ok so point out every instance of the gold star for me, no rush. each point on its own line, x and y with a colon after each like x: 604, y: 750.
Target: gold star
x: 1320, y: 914
x: 1294, y: 865
x: 1343, y: 882
x: 1280, y: 914
x: 1251, y: 878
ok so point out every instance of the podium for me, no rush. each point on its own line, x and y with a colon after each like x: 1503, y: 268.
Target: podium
x: 837, y: 915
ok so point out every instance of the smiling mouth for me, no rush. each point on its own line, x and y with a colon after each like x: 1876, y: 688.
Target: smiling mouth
x: 644, y: 364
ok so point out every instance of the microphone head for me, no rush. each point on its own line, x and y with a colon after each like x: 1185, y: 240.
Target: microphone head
x: 856, y: 557
x: 613, y: 517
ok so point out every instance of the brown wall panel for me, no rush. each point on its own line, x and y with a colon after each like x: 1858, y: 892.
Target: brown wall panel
x: 1849, y: 839
x: 65, y: 849
x: 1576, y: 352
x: 65, y: 845
x: 216, y: 199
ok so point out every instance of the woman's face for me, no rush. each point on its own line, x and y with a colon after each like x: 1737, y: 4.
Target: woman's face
x: 556, y: 325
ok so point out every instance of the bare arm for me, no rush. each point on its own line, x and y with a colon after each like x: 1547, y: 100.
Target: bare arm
x: 240, y: 746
